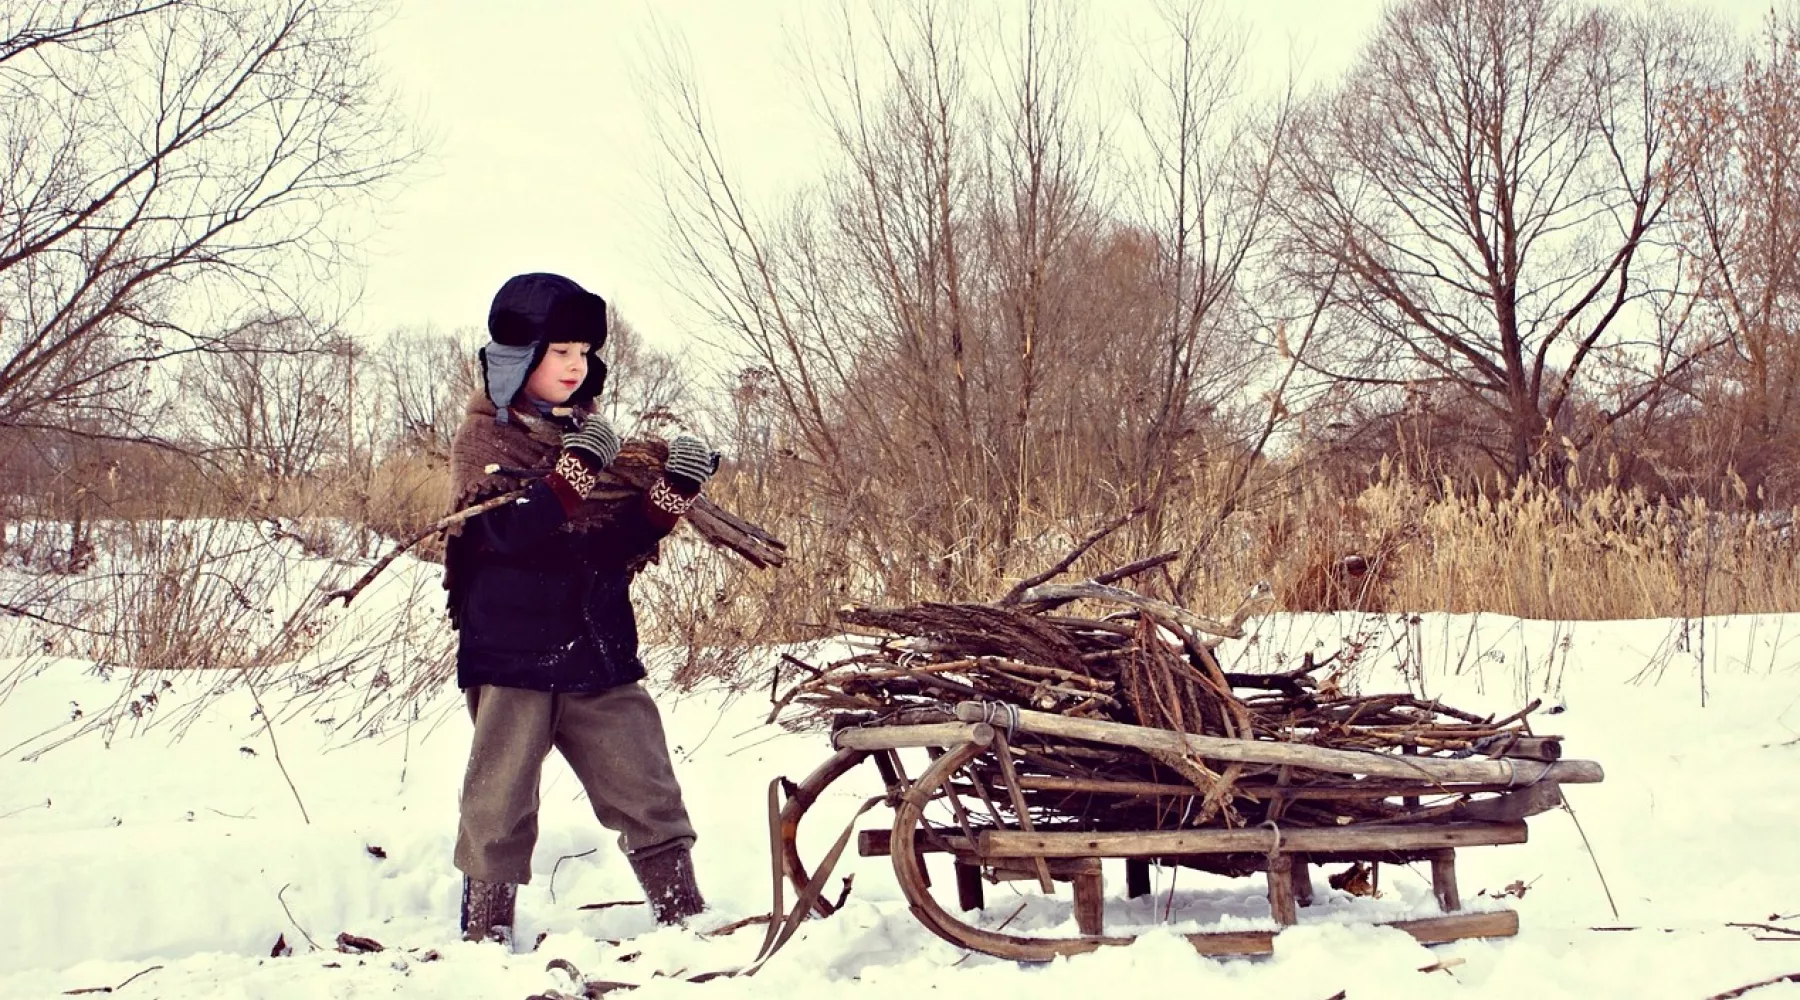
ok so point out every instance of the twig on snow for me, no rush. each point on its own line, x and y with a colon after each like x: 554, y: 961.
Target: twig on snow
x: 269, y: 727
x: 290, y: 916
x: 559, y: 861
x: 1591, y: 857
x: 111, y: 989
x: 24, y: 809
x: 1789, y: 931
x: 738, y: 925
x: 1792, y: 977
x: 1009, y: 919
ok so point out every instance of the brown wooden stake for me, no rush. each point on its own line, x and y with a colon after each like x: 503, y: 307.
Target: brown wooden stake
x: 888, y: 763
x: 1281, y: 890
x: 1303, y: 887
x: 969, y: 894
x: 1410, y: 801
x: 1004, y: 752
x: 1090, y: 903
x: 1137, y: 877
x: 961, y: 813
x: 1443, y: 880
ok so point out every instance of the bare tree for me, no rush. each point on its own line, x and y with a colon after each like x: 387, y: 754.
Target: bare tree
x: 173, y: 169
x: 646, y: 389
x: 1213, y: 145
x: 427, y: 377
x: 953, y: 338
x: 1480, y: 195
x: 1739, y: 215
x: 852, y: 309
x: 273, y: 397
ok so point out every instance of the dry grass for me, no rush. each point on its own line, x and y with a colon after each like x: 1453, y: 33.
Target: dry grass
x: 1399, y: 545
x: 1533, y: 552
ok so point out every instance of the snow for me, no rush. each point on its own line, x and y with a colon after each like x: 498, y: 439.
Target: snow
x: 171, y: 840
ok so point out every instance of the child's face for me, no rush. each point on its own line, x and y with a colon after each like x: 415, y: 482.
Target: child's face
x: 561, y: 372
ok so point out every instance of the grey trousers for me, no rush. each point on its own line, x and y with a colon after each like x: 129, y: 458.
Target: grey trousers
x: 613, y: 742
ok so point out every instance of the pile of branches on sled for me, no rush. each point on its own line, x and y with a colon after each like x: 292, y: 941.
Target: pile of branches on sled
x: 1127, y: 658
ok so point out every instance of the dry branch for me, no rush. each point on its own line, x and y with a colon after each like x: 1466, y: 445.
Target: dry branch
x: 1129, y: 723
x: 631, y: 475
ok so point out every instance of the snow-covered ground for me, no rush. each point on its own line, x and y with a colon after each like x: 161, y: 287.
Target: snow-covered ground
x: 170, y: 850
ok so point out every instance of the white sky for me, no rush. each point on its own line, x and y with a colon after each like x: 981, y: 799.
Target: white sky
x: 542, y: 139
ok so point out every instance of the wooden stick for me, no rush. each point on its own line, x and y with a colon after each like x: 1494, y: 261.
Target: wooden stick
x: 1303, y: 887
x: 1114, y: 595
x: 1054, y: 673
x: 1443, y: 880
x: 1507, y: 771
x: 1090, y: 902
x: 1156, y: 843
x: 1039, y: 783
x: 941, y: 734
x: 1142, y: 565
x: 1137, y: 878
x: 1014, y: 595
x: 1018, y: 800
x: 349, y: 593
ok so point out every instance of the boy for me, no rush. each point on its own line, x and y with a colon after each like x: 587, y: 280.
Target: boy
x: 539, y: 590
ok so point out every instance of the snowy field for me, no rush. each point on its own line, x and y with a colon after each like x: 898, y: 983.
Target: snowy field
x: 167, y: 855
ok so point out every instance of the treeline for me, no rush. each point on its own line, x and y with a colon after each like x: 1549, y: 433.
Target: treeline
x: 1534, y: 257
x: 1502, y: 318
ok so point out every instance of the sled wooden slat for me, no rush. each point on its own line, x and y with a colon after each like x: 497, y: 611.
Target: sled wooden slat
x: 1508, y: 771
x: 875, y: 844
x: 1358, y: 790
x: 936, y: 734
x: 1429, y: 930
x: 1158, y: 843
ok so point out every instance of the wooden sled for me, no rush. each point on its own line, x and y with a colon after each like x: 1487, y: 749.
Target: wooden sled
x: 999, y: 822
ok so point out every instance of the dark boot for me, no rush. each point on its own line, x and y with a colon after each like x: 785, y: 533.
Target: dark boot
x: 668, y: 881
x: 487, y: 910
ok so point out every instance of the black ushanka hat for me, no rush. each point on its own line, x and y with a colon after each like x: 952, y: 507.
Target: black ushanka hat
x: 528, y: 314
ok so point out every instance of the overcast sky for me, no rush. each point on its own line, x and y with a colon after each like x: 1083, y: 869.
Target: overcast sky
x: 542, y: 138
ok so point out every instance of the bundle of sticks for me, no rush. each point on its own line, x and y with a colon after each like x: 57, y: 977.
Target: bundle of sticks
x: 638, y: 467
x: 1144, y: 662
x: 623, y: 483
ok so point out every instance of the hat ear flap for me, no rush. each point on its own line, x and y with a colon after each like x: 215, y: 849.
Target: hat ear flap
x: 594, y: 384
x: 510, y: 327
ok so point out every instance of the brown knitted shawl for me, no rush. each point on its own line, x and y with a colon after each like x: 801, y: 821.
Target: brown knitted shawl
x: 524, y: 448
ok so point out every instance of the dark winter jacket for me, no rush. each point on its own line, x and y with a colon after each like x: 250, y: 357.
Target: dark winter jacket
x: 544, y: 609
x: 542, y: 602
